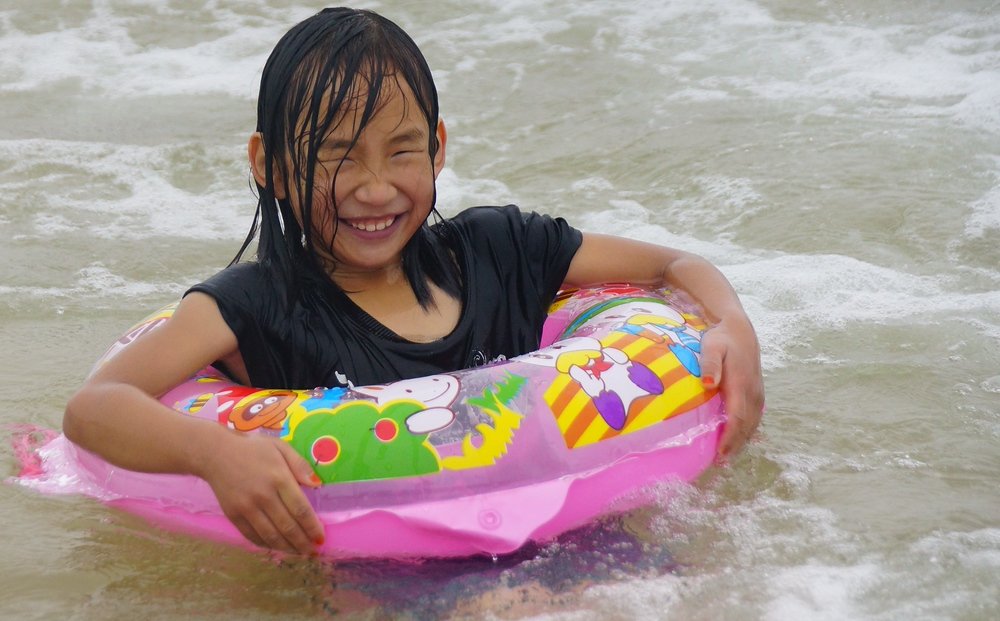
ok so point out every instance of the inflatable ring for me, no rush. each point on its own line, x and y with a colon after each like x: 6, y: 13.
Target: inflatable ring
x: 477, y: 461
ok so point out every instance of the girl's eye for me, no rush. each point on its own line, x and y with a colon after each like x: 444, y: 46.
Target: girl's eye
x: 333, y: 157
x: 329, y: 168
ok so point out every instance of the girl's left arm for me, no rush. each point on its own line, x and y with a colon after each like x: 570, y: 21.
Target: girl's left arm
x: 730, y: 356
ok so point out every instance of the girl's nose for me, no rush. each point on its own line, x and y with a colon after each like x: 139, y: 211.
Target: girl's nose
x: 375, y: 189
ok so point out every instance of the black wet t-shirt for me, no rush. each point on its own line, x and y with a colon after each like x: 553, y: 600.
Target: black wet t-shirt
x: 512, y: 263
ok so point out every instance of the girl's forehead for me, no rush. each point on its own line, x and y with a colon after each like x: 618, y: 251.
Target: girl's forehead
x: 393, y: 105
x: 393, y: 108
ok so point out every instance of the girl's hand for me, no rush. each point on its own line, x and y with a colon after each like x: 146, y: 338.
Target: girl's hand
x: 731, y: 359
x: 256, y: 480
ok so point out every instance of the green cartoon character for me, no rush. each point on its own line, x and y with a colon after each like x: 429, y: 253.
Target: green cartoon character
x: 360, y: 440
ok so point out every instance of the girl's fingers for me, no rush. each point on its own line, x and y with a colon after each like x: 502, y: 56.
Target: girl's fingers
x: 734, y: 436
x: 276, y: 526
x: 297, y: 521
x: 296, y: 502
x: 247, y: 531
x: 744, y: 410
x: 257, y: 483
x: 268, y: 534
x: 742, y: 387
x: 712, y: 355
x: 300, y: 468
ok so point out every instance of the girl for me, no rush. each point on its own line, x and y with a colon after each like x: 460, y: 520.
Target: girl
x: 351, y: 283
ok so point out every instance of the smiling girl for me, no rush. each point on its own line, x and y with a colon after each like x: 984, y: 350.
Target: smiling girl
x: 358, y: 279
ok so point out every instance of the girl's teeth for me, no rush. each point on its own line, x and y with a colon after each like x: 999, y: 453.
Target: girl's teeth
x: 371, y: 227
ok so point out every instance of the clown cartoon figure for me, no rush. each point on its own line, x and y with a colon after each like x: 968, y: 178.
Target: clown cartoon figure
x: 661, y: 324
x: 683, y: 340
x: 606, y: 375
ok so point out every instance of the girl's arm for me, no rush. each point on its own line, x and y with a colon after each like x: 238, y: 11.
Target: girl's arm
x: 116, y: 415
x: 730, y: 354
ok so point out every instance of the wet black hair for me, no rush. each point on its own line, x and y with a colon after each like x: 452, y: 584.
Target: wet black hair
x: 335, y: 60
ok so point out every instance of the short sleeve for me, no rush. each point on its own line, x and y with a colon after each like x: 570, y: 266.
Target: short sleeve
x: 254, y: 310
x: 535, y: 249
x: 232, y: 289
x: 550, y: 245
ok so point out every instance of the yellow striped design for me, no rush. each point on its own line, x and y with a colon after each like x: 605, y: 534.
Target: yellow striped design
x: 632, y: 350
x: 595, y: 431
x: 665, y: 405
x: 558, y: 385
x: 614, y: 338
x: 665, y: 363
x: 579, y: 401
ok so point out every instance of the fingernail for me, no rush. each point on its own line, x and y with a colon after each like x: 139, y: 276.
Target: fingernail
x: 315, y: 480
x: 319, y: 540
x: 709, y: 381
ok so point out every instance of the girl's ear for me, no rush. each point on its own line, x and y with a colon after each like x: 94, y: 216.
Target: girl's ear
x: 255, y: 151
x: 442, y: 137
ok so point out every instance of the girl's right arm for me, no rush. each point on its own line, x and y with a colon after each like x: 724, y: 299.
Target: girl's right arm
x: 255, y: 478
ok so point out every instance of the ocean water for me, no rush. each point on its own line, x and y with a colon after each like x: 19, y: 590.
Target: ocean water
x: 839, y: 160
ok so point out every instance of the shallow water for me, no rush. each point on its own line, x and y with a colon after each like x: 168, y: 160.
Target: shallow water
x: 839, y: 160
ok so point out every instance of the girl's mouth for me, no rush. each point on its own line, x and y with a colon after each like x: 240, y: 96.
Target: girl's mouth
x: 371, y: 225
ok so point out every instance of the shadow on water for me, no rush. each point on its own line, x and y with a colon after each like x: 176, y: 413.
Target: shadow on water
x: 529, y: 581
x: 123, y: 568
x: 118, y: 563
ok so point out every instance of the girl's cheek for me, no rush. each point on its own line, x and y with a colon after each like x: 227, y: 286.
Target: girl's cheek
x: 345, y: 182
x: 415, y: 175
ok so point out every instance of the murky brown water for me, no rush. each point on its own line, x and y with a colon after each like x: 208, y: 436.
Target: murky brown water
x: 839, y: 160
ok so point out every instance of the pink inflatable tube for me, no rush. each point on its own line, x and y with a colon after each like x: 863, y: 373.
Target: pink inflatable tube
x: 477, y: 461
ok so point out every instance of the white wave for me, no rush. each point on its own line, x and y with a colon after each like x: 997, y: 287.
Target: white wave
x: 218, y: 50
x: 455, y: 193
x: 819, y: 591
x: 885, y: 70
x: 949, y: 68
x: 952, y: 71
x: 643, y: 600
x: 511, y: 23
x: 719, y: 202
x: 978, y: 548
x: 803, y: 293
x: 127, y: 191
x: 790, y: 296
x: 92, y: 282
x: 985, y: 211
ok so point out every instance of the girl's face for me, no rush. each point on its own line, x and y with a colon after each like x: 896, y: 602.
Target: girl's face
x: 365, y: 211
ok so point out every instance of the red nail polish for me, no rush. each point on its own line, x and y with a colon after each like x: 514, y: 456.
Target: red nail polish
x: 314, y: 478
x: 319, y: 540
x: 709, y: 382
